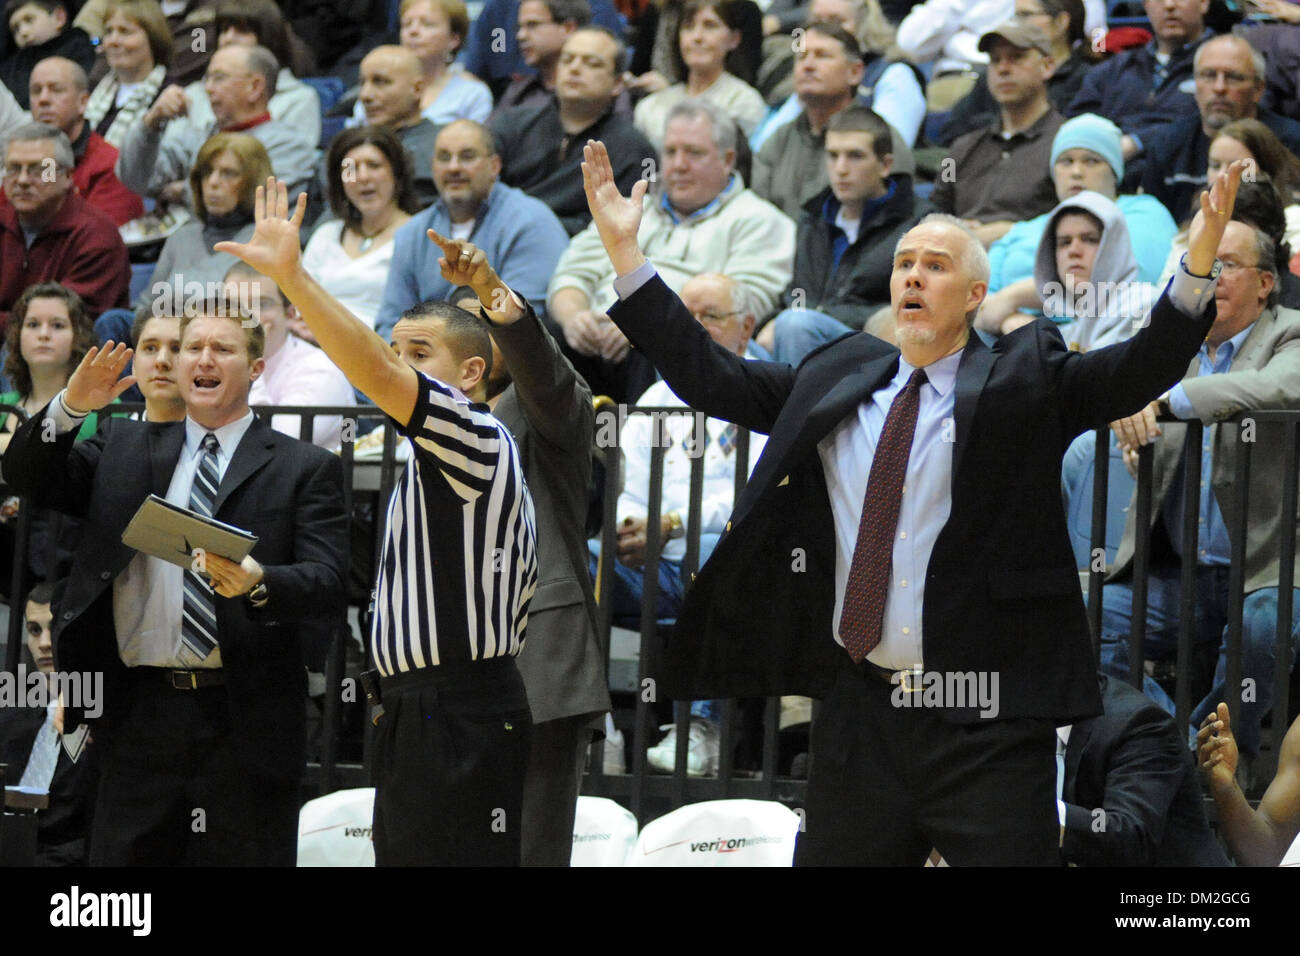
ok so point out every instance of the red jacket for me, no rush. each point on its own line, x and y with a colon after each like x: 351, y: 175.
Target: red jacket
x: 80, y: 248
x: 99, y: 185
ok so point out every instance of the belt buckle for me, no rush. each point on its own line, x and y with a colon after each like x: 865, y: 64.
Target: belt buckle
x: 184, y: 680
x: 909, y: 681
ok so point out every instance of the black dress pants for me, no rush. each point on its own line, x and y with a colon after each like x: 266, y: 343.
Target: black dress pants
x: 887, y: 783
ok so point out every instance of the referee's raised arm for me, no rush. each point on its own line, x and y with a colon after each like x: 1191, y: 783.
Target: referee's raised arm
x: 275, y: 251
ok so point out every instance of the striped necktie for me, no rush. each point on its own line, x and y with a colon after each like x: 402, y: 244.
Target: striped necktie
x: 873, y: 555
x: 198, y: 611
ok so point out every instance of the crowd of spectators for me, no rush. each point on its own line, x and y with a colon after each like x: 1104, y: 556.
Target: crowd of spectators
x: 787, y: 148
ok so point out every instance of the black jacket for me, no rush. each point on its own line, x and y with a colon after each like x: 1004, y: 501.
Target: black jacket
x: 1001, y: 591
x: 1131, y: 794
x: 288, y: 493
x: 859, y: 285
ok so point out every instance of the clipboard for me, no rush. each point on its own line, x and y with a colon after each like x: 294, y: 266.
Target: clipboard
x: 173, y: 533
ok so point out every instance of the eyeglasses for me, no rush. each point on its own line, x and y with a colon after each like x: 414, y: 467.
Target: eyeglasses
x: 712, y: 317
x: 1231, y: 77
x: 1231, y: 266
x: 46, y: 170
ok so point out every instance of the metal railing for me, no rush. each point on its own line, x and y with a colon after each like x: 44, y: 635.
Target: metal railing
x: 648, y: 794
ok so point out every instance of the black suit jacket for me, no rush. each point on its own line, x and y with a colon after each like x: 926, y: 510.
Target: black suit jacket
x: 288, y: 493
x: 1001, y: 591
x: 1133, y: 763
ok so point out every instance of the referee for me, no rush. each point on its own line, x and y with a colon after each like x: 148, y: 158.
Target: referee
x: 457, y: 570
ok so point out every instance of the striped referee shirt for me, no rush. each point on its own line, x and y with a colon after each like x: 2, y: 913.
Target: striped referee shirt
x: 459, y: 561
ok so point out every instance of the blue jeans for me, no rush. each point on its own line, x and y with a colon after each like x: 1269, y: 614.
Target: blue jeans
x: 1259, y: 621
x: 798, y: 331
x: 628, y: 591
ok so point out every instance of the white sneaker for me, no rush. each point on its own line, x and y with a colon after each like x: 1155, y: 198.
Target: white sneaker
x: 701, y: 752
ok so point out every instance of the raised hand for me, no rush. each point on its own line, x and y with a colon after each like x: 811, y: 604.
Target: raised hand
x: 1209, y: 224
x: 1216, y: 747
x: 275, y: 249
x: 96, y: 381
x: 464, y: 264
x: 617, y: 218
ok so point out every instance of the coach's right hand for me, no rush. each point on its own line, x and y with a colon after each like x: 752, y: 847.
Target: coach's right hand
x: 97, y: 381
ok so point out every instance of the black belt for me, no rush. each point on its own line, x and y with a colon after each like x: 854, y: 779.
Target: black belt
x: 179, y: 679
x: 909, y: 679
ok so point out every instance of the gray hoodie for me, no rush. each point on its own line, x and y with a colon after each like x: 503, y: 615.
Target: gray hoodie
x: 1113, y: 304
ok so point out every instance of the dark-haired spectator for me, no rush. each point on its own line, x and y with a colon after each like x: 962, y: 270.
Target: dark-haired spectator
x: 1267, y: 202
x: 890, y: 85
x: 351, y: 254
x: 48, y: 335
x: 159, y: 151
x: 156, y: 341
x: 995, y: 177
x: 39, y: 29
x: 296, y: 372
x: 137, y: 45
x: 260, y: 23
x: 844, y: 247
x: 1256, y: 837
x: 544, y: 25
x: 703, y: 220
x: 705, y: 35
x: 1143, y: 89
x: 59, y: 93
x: 1062, y: 21
x: 1129, y: 794
x: 654, y: 63
x: 492, y: 51
x: 433, y: 30
x: 49, y: 233
x: 30, y: 745
x: 391, y: 85
x: 790, y: 168
x: 1249, y: 360
x: 541, y: 148
x: 514, y: 230
x: 1229, y: 84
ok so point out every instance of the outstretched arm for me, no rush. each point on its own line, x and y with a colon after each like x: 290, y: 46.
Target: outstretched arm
x: 365, y: 358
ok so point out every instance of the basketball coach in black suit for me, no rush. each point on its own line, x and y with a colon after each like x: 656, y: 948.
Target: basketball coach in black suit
x: 202, y: 736
x: 907, y: 510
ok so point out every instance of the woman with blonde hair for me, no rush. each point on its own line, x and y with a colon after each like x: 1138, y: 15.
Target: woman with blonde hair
x: 224, y: 180
x: 137, y: 46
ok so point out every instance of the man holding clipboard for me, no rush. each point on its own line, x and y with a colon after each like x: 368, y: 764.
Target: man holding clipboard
x: 202, y: 737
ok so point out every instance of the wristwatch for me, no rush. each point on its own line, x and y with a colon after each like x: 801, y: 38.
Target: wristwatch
x: 675, y: 527
x: 259, y: 595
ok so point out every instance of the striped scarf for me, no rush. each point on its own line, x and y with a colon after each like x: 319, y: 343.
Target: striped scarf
x: 103, y: 99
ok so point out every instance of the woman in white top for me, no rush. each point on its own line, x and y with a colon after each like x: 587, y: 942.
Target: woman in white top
x: 137, y: 45
x: 434, y: 30
x: 704, y: 39
x: 372, y: 193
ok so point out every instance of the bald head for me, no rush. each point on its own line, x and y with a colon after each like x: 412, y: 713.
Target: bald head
x: 391, y: 85
x: 720, y: 304
x: 59, y: 92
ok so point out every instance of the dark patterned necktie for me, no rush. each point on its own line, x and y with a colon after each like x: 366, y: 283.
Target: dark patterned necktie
x: 873, y: 555
x: 198, y: 610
